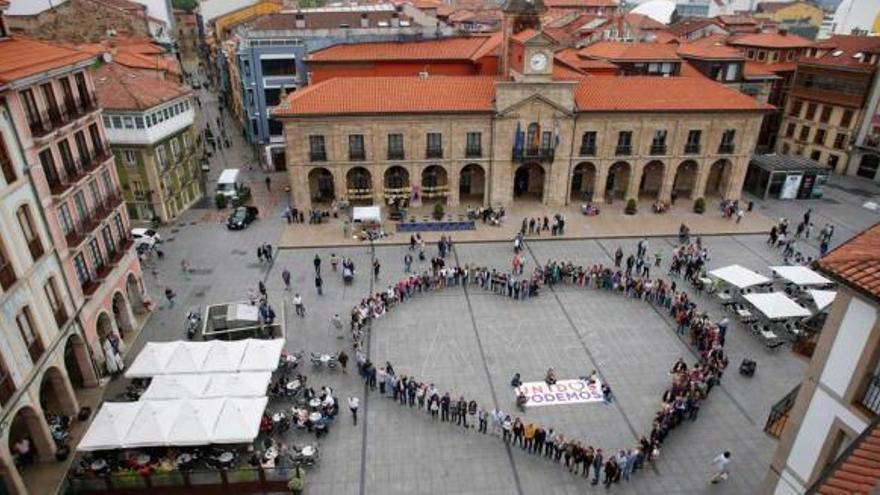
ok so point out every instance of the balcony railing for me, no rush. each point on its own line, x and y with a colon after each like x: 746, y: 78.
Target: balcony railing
x: 725, y: 148
x: 60, y: 316
x: 871, y: 398
x: 779, y: 414
x: 871, y: 141
x: 658, y: 149
x: 36, y: 248
x: 103, y: 271
x: 7, y: 276
x: 76, y: 235
x: 544, y: 155
x: 357, y: 156
x: 125, y: 244
x: 90, y: 285
x: 623, y: 150
x: 57, y: 117
x: 72, y: 108
x: 395, y: 154
x: 588, y: 151
x: 90, y: 102
x: 58, y: 186
x: 40, y: 125
x: 473, y: 152
x: 434, y: 153
x: 691, y: 149
x: 318, y: 156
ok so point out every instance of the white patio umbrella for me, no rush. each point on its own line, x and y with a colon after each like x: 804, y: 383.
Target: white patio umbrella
x: 152, y: 360
x: 110, y: 426
x: 195, y: 423
x: 261, y: 355
x: 188, y: 357
x: 224, y: 356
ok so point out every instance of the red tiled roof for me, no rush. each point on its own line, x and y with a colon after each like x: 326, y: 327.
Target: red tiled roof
x: 859, y: 472
x: 641, y: 21
x: 711, y: 49
x: 617, y: 51
x: 687, y: 27
x: 21, y: 57
x: 570, y: 58
x: 441, y: 49
x: 647, y: 93
x: 842, y: 50
x: 770, y: 40
x: 146, y: 61
x: 581, y: 3
x: 856, y: 262
x: 120, y: 88
x: 369, y: 95
x: 753, y: 69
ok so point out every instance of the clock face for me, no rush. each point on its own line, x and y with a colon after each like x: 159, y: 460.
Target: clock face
x: 538, y: 61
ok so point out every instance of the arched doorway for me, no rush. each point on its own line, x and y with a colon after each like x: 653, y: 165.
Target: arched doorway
x: 718, y: 178
x: 652, y: 180
x: 135, y: 293
x: 27, y: 424
x: 56, y: 393
x: 472, y: 184
x: 528, y: 182
x: 435, y: 183
x: 359, y: 185
x: 583, y: 182
x: 868, y: 166
x: 79, y: 367
x: 685, y: 180
x: 321, y: 188
x: 122, y: 314
x: 617, y: 181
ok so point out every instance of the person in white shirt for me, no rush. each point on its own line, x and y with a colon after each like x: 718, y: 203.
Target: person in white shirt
x: 298, y: 304
x: 721, y: 464
x: 353, y: 403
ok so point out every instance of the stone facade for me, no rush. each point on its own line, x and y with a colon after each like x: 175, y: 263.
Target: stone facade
x: 571, y: 174
x: 83, y: 21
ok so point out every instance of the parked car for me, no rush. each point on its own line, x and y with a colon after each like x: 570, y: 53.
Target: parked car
x: 145, y: 238
x: 242, y: 217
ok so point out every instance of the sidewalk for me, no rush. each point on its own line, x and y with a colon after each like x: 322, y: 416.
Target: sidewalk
x: 612, y: 222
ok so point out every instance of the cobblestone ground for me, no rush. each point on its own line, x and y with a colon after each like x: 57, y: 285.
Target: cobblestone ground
x: 470, y: 342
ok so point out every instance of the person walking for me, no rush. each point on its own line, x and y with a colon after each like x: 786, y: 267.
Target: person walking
x: 376, y: 267
x: 298, y: 305
x: 342, y: 357
x: 353, y: 404
x: 336, y: 322
x: 721, y: 463
x: 407, y: 262
x: 169, y: 294
x: 317, y: 262
x: 319, y: 282
x: 285, y: 277
x: 268, y: 183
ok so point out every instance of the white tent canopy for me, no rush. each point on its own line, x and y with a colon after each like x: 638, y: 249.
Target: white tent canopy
x: 800, y: 275
x: 174, y: 422
x: 166, y: 387
x: 164, y: 358
x: 822, y: 298
x: 203, y: 386
x: 245, y: 384
x: 110, y: 425
x: 366, y: 214
x: 776, y: 305
x: 739, y: 276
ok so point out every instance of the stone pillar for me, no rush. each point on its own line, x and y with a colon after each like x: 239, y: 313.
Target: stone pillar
x: 453, y: 176
x: 665, y: 194
x: 299, y: 187
x: 501, y: 175
x: 635, y: 176
x: 10, y: 473
x: 340, y: 187
x: 736, y: 178
x: 67, y: 397
x: 378, y: 177
x: 600, y: 182
x: 700, y: 181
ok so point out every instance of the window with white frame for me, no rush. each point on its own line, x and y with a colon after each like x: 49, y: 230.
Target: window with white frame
x: 175, y: 148
x: 162, y: 157
x: 129, y: 157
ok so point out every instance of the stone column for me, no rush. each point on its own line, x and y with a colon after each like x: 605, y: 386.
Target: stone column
x: 501, y: 175
x: 600, y: 182
x: 736, y: 177
x: 700, y: 181
x: 453, y: 175
x: 299, y: 187
x: 10, y: 473
x: 378, y: 176
x: 67, y: 399
x: 340, y: 187
x: 635, y: 176
x: 669, y: 170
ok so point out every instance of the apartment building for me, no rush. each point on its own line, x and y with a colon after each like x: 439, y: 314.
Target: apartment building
x: 829, y: 98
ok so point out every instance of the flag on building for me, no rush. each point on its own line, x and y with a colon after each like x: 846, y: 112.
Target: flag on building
x: 555, y: 133
x: 518, y: 138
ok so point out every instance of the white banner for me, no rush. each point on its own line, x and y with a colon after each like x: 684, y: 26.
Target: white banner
x: 563, y: 392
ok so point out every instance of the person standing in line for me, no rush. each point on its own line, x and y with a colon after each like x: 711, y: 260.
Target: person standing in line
x: 334, y: 261
x: 268, y: 183
x: 721, y: 463
x: 407, y: 262
x: 319, y: 282
x: 336, y: 322
x: 353, y: 404
x: 285, y: 277
x: 298, y: 305
x: 317, y: 262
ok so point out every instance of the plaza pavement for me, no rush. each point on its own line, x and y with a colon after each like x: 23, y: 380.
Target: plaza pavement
x: 470, y: 342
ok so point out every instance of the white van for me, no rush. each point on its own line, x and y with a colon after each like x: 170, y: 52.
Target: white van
x: 229, y: 183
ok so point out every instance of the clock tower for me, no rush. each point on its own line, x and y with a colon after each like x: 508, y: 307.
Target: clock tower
x: 518, y: 16
x: 537, y: 64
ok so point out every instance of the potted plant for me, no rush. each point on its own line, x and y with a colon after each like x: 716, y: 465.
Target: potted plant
x: 438, y: 211
x: 631, y: 207
x: 297, y: 481
x: 699, y: 206
x: 220, y: 200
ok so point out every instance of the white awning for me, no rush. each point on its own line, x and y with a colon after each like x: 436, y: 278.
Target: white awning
x: 109, y: 426
x: 800, y: 275
x: 367, y: 214
x: 245, y: 384
x: 240, y: 420
x: 167, y: 387
x: 739, y: 276
x: 822, y: 298
x: 164, y: 358
x: 776, y: 305
x: 152, y: 424
x: 196, y: 422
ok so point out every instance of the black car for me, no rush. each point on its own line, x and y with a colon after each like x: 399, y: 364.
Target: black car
x: 241, y: 217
